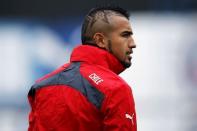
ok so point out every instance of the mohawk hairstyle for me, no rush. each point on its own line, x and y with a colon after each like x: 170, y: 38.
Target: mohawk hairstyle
x: 116, y: 9
x: 92, y: 17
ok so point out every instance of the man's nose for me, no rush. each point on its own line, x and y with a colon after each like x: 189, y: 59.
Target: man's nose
x: 132, y: 44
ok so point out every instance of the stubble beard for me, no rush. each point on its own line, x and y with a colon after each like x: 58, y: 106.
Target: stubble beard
x: 124, y: 63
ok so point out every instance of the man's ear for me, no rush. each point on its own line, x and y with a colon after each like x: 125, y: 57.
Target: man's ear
x: 99, y: 39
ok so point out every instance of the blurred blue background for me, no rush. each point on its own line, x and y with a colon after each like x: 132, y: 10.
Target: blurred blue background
x: 37, y: 37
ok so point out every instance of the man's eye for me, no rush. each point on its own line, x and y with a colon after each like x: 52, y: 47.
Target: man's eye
x: 126, y: 35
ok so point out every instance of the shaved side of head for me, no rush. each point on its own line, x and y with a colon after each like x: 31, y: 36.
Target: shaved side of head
x: 98, y: 20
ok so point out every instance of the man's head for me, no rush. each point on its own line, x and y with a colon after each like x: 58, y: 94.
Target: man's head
x: 109, y: 28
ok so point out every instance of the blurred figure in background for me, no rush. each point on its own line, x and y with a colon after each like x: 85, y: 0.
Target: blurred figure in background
x: 87, y: 93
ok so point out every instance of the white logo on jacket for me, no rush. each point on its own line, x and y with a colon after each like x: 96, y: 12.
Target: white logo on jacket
x: 95, y: 78
x: 130, y: 117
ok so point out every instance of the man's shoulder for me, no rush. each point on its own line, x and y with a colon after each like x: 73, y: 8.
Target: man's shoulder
x: 103, y: 78
x: 56, y: 71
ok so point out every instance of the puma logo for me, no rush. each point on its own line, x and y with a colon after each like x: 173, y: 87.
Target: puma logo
x: 130, y: 117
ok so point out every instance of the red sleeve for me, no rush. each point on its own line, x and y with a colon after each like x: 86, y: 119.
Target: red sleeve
x: 119, y: 110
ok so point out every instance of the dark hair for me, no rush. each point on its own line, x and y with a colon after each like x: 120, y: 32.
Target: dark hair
x: 90, y: 19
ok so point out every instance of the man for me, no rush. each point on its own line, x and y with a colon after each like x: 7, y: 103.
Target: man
x: 87, y: 94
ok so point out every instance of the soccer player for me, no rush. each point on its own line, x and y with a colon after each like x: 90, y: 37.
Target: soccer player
x: 87, y: 94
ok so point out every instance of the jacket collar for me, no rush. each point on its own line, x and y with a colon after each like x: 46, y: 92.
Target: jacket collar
x: 94, y: 55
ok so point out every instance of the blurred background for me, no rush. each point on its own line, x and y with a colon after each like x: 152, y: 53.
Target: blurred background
x: 38, y: 36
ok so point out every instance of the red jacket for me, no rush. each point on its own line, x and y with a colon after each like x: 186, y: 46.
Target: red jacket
x: 83, y: 95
